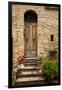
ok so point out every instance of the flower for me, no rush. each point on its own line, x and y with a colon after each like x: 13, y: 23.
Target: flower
x: 20, y: 59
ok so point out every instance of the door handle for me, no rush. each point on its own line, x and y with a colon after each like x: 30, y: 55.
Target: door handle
x: 33, y: 39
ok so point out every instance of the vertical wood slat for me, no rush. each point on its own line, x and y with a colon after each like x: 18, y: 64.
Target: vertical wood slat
x: 34, y: 36
x: 27, y: 37
x: 33, y: 32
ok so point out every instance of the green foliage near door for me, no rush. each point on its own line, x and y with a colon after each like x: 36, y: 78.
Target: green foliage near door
x: 50, y: 70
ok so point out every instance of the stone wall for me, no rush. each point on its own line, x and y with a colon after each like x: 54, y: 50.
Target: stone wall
x: 47, y: 24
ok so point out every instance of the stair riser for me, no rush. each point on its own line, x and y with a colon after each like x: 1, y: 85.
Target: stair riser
x: 30, y: 64
x: 32, y: 75
x: 21, y: 70
x: 30, y: 61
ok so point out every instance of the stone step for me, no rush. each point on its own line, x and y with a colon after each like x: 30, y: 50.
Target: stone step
x: 30, y: 83
x: 30, y: 60
x: 29, y: 68
x: 30, y: 71
x: 28, y: 75
x: 31, y: 64
x: 26, y: 79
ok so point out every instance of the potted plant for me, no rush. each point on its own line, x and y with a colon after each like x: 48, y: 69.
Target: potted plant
x: 50, y: 71
x: 20, y: 62
x: 14, y: 71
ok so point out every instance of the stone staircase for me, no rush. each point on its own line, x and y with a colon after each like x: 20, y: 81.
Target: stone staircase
x: 30, y: 74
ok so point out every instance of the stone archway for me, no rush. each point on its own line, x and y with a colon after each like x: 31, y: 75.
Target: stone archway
x: 30, y: 34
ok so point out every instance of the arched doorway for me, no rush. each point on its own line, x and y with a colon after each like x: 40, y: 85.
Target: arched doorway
x: 30, y: 34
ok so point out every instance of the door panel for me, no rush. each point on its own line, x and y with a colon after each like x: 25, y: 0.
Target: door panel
x: 30, y: 39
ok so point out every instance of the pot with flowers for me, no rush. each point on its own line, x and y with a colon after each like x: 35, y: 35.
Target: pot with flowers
x: 20, y: 61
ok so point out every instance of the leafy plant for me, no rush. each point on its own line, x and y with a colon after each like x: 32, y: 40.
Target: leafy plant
x: 14, y: 71
x: 50, y: 70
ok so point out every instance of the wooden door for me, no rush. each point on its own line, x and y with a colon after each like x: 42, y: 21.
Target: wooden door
x: 30, y: 39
